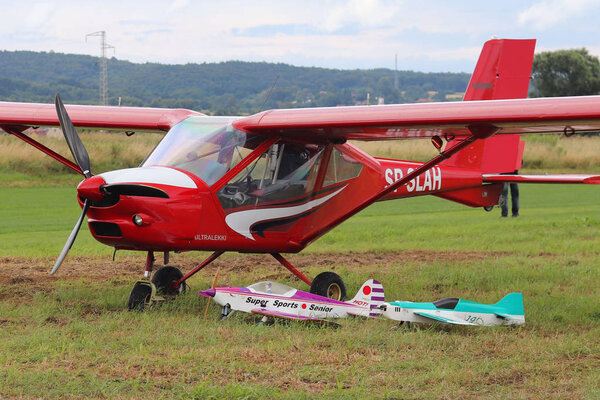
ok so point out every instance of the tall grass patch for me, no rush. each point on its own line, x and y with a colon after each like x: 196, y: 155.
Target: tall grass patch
x: 542, y: 152
x: 108, y: 151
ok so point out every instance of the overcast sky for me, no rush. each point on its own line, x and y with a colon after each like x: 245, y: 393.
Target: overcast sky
x: 436, y: 35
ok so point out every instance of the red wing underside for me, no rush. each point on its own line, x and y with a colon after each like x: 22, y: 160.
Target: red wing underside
x: 413, y: 121
x: 125, y: 118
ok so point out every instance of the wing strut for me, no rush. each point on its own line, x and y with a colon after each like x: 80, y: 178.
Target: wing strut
x: 477, y: 132
x: 18, y: 133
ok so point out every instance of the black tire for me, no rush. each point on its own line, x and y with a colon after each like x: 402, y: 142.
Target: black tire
x: 329, y: 284
x: 139, y: 297
x: 164, y: 278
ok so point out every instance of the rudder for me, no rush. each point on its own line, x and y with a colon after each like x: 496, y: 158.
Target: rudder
x: 513, y: 303
x: 372, y: 293
x: 503, y: 71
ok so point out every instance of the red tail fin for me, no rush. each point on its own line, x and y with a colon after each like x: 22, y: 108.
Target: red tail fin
x: 502, y: 72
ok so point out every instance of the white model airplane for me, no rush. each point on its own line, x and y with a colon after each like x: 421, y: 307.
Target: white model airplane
x: 508, y: 311
x: 273, y: 299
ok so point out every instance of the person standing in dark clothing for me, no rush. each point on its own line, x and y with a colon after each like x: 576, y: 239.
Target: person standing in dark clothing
x: 514, y: 198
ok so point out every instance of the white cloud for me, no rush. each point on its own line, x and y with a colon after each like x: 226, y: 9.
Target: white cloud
x: 547, y: 13
x: 427, y: 35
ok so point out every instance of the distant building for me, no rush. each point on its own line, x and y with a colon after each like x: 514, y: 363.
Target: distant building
x: 455, y: 96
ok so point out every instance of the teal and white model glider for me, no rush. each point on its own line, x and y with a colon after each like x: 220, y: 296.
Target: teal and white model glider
x: 508, y: 311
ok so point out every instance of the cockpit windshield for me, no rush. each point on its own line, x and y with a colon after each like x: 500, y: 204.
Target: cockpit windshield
x: 272, y: 288
x: 207, y: 147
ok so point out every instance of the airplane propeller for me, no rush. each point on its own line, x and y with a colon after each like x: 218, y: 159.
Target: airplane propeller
x: 214, y: 285
x: 77, y: 148
x: 82, y: 159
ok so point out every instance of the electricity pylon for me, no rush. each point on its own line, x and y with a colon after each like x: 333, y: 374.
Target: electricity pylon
x: 103, y: 47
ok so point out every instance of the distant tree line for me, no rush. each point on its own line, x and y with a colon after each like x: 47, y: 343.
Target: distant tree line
x: 232, y: 87
x: 572, y: 72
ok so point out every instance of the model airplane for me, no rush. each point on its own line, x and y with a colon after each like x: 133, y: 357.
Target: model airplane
x: 508, y: 311
x: 276, y: 181
x: 273, y: 299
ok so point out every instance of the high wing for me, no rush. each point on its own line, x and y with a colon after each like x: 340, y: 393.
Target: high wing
x: 443, y: 319
x: 276, y: 314
x: 16, y: 116
x: 479, y: 119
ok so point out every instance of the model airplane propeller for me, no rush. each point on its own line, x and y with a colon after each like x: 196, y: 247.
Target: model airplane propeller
x: 274, y: 182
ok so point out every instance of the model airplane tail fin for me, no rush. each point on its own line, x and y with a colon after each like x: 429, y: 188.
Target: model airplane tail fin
x: 503, y: 71
x: 512, y: 303
x: 370, y: 295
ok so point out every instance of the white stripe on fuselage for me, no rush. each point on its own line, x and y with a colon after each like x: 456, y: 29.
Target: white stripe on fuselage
x: 158, y: 175
x: 241, y: 221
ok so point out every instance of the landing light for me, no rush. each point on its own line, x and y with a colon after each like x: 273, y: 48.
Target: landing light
x: 137, y: 219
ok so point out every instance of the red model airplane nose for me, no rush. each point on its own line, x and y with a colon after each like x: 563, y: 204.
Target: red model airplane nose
x: 90, y: 188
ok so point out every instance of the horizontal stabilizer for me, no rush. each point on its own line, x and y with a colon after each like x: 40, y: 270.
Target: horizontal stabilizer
x: 496, y: 178
x: 443, y: 319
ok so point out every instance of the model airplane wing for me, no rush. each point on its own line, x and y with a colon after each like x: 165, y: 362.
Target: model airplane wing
x: 443, y: 319
x: 127, y: 118
x: 412, y: 121
x: 276, y: 314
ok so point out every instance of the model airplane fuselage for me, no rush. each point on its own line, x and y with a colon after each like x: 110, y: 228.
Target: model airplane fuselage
x: 508, y: 311
x: 273, y: 299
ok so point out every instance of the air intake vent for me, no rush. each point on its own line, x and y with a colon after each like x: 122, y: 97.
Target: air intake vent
x: 106, y: 229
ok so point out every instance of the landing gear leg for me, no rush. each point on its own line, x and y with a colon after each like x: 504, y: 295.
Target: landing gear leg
x: 291, y: 268
x: 225, y: 311
x: 326, y: 284
x: 182, y: 279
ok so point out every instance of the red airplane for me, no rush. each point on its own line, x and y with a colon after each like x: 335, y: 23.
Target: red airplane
x: 276, y: 181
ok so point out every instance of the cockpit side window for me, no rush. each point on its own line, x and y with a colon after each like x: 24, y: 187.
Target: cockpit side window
x: 283, y: 172
x: 341, y: 167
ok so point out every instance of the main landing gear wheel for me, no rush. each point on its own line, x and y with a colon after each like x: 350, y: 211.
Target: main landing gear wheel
x: 164, y: 279
x: 329, y: 284
x: 140, y: 296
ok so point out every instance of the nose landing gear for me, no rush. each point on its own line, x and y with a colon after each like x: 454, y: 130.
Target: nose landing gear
x: 146, y: 292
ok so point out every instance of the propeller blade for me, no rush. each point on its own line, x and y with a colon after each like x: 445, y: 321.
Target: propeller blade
x: 214, y: 285
x: 71, y: 238
x: 77, y: 148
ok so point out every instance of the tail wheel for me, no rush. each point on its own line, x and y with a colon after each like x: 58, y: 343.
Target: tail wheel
x: 164, y: 279
x: 329, y: 284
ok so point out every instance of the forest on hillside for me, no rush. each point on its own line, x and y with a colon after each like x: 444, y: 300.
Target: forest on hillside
x: 225, y: 88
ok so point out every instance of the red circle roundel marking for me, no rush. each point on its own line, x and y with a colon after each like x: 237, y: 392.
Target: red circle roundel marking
x: 367, y: 290
x: 303, y: 306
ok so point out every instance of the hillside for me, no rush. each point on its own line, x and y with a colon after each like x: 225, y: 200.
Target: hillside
x: 231, y: 87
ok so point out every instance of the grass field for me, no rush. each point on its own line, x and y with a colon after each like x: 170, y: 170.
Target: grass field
x: 69, y: 336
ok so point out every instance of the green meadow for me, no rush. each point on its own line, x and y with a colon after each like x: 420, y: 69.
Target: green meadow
x: 70, y: 336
